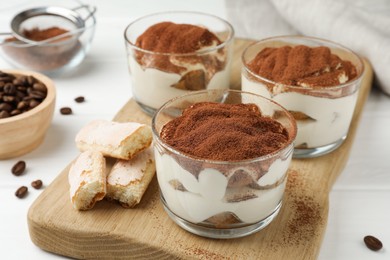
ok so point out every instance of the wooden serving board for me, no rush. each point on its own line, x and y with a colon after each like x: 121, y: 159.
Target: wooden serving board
x: 110, y: 231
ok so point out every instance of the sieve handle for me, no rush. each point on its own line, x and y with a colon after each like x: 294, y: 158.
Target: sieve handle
x: 4, y: 35
x: 90, y: 9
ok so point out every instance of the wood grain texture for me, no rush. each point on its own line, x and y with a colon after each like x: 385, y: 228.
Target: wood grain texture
x: 109, y: 231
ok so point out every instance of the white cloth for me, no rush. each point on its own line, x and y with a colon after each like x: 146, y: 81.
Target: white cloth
x: 361, y: 25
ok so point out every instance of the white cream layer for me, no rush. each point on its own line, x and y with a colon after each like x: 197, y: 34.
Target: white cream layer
x: 152, y: 87
x: 204, y: 196
x: 333, y: 115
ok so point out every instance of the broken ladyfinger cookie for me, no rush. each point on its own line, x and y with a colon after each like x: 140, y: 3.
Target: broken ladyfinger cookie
x: 128, y: 180
x: 87, y: 180
x: 114, y: 139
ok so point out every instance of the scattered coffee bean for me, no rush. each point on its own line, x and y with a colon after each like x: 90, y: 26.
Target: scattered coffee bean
x: 21, y: 192
x: 36, y: 184
x: 79, y: 99
x: 18, y: 168
x: 19, y: 94
x: 373, y: 243
x: 66, y: 110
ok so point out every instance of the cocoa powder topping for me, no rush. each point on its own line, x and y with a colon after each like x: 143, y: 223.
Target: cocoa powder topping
x: 302, y: 66
x: 224, y: 132
x: 184, y: 40
x: 168, y: 37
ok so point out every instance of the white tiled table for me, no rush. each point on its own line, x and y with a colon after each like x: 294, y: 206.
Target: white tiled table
x: 359, y: 201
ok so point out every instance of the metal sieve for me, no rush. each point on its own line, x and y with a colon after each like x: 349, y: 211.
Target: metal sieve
x: 69, y: 19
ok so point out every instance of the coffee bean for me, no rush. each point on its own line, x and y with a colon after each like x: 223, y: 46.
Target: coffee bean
x: 33, y: 103
x: 31, y: 80
x: 21, y: 192
x: 8, y: 99
x: 79, y: 99
x: 18, y: 168
x: 22, y: 105
x: 37, y: 94
x: 37, y: 184
x: 40, y: 87
x: 15, y: 112
x: 17, y: 89
x: 18, y: 82
x: 66, y: 111
x: 373, y: 243
x: 9, y: 89
x: 8, y: 78
x: 5, y: 107
x: 22, y: 88
x: 20, y: 94
x: 4, y: 114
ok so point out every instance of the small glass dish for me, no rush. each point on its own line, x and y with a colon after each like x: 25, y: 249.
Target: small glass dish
x: 218, y: 199
x: 55, y: 54
x: 323, y: 113
x: 157, y: 77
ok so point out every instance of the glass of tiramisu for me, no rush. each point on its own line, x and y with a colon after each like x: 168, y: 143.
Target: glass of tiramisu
x: 222, y: 158
x: 173, y: 53
x: 316, y: 80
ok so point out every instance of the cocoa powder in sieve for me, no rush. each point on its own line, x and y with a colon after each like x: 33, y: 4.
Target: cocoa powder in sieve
x: 36, y: 34
x: 302, y: 66
x: 224, y: 132
x: 46, y: 57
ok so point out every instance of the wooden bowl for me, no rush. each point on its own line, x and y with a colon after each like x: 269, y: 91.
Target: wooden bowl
x: 23, y: 133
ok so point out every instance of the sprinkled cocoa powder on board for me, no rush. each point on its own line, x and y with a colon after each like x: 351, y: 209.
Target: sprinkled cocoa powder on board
x: 302, y: 66
x: 306, y: 215
x: 205, y: 254
x: 225, y: 132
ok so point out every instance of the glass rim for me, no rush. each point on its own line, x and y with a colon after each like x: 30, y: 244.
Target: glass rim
x: 325, y: 43
x: 201, y: 52
x: 286, y: 147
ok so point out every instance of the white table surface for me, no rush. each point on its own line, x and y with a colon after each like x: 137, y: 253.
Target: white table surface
x: 359, y: 201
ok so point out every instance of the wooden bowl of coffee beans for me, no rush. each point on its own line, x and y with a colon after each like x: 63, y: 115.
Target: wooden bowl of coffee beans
x: 27, y: 101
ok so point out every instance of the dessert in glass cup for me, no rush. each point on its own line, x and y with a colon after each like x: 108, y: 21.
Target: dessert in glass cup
x: 316, y: 80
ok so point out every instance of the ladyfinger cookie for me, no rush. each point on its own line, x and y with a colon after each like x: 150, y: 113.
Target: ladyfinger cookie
x: 87, y: 180
x: 128, y: 180
x: 113, y: 139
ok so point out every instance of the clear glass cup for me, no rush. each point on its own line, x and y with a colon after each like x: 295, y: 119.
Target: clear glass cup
x: 214, y: 198
x: 329, y: 109
x: 154, y: 84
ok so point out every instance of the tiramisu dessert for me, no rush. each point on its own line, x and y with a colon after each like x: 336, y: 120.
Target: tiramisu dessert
x: 223, y: 166
x: 316, y: 85
x: 169, y: 59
